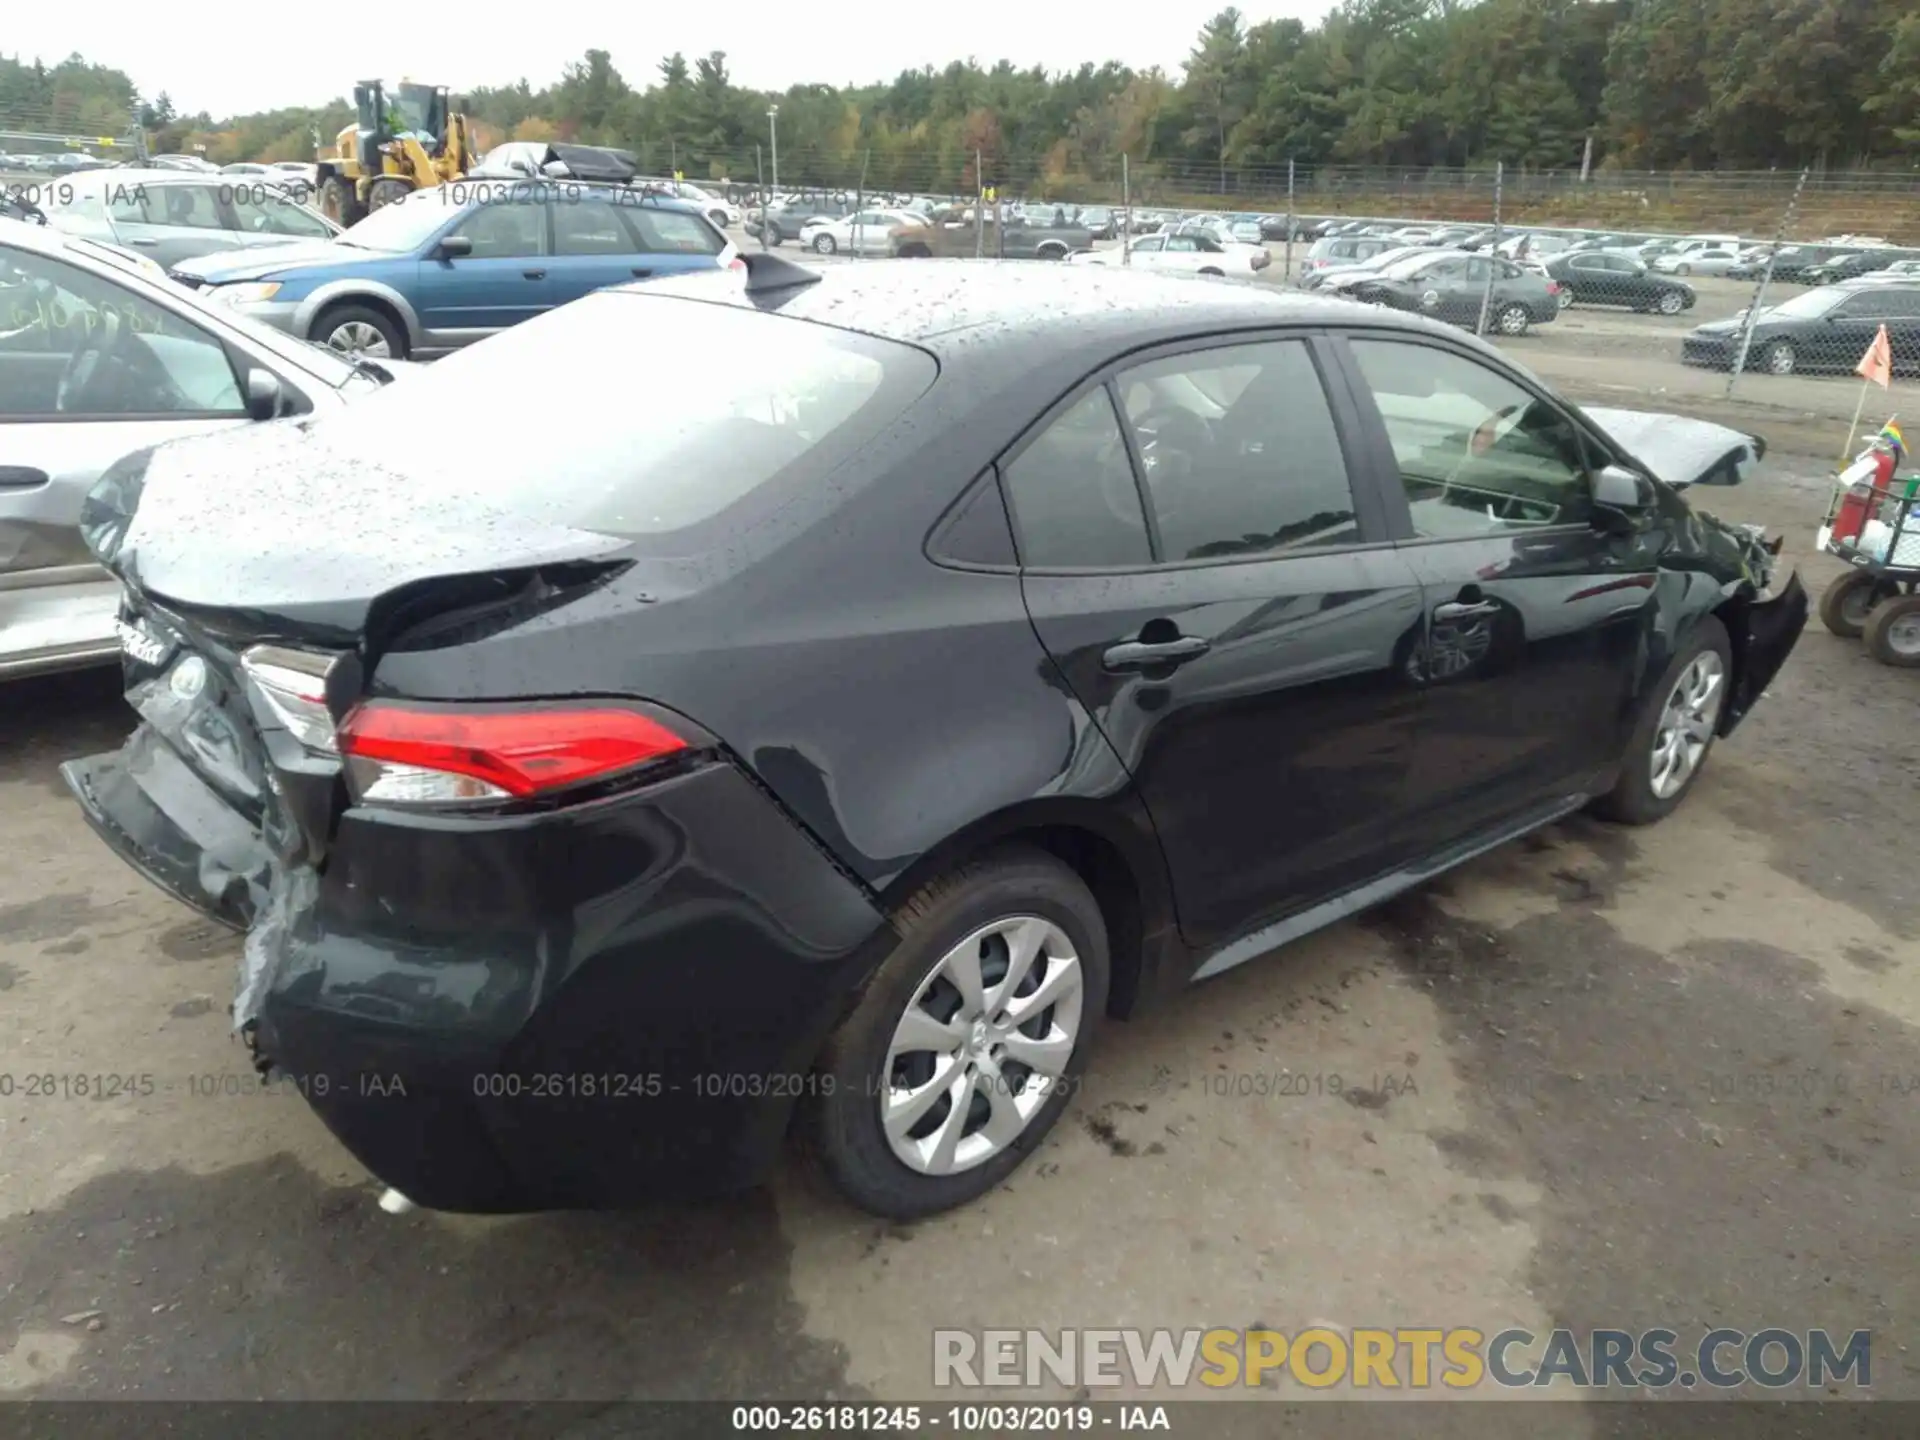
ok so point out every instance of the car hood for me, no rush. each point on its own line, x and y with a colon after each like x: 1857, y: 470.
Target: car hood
x: 225, y: 266
x: 1680, y: 450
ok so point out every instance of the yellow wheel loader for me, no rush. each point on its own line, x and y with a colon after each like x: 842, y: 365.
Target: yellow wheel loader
x: 399, y: 143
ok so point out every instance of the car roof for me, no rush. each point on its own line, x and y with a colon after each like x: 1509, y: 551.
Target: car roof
x: 90, y: 179
x: 32, y: 235
x: 959, y: 308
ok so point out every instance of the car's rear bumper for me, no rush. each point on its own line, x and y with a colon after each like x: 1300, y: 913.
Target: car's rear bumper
x: 577, y: 1009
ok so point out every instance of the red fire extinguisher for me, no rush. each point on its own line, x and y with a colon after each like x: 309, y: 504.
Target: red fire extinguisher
x: 1868, y: 481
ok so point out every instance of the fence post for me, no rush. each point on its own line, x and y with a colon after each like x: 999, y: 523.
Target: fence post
x: 860, y: 200
x: 979, y: 209
x: 1760, y: 290
x: 1286, y: 266
x: 1493, y: 248
x: 760, y: 182
x: 1126, y: 212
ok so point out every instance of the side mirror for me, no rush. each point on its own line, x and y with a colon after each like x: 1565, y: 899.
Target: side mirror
x: 451, y: 246
x: 1621, y: 491
x: 263, y: 394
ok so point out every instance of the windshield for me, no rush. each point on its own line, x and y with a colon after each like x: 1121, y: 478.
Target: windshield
x: 717, y: 404
x: 1408, y: 266
x: 403, y: 226
x: 1807, y: 305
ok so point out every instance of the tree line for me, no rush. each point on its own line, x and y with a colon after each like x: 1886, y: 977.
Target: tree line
x: 1648, y: 84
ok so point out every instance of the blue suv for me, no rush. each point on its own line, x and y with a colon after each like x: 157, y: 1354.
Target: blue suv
x: 449, y: 265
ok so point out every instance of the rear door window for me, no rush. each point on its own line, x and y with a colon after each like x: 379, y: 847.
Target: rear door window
x: 673, y: 232
x: 1240, y: 452
x: 589, y: 225
x: 1076, y: 504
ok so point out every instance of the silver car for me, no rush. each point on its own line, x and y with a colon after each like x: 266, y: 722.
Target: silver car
x: 175, y: 215
x: 98, y: 359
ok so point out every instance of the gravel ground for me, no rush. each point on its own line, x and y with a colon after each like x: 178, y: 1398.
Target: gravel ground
x: 1659, y: 1077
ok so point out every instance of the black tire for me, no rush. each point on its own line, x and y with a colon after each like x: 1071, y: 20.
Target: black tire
x: 1671, y: 303
x: 1683, y: 269
x: 385, y: 191
x: 915, y: 251
x: 339, y: 201
x: 1849, y: 602
x: 334, y: 317
x: 1892, y: 635
x: 1051, y: 251
x: 1632, y: 801
x: 843, y: 1124
x: 824, y: 244
x: 1564, y: 300
x: 1779, y: 358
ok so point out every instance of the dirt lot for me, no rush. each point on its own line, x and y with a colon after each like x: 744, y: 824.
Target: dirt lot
x: 1606, y: 1078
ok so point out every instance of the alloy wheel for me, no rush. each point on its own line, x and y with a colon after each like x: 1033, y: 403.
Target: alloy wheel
x: 980, y: 1048
x: 1780, y: 358
x: 356, y: 337
x: 1670, y: 303
x: 1687, y: 724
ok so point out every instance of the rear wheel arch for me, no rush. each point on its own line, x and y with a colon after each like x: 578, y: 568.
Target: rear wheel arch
x: 1127, y: 878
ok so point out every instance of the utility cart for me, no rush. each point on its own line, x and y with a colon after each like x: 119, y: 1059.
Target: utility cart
x: 1876, y: 532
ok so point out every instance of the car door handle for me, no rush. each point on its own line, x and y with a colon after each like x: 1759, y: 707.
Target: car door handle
x: 640, y: 272
x: 21, y: 477
x: 1152, y: 654
x: 534, y: 274
x: 139, y: 240
x: 1465, y: 609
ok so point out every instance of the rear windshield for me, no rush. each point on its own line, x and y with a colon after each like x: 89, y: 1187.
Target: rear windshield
x: 647, y: 415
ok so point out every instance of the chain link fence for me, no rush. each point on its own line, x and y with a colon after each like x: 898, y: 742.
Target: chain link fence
x: 1759, y: 275
x: 39, y: 145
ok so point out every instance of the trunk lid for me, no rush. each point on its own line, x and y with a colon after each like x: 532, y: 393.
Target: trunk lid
x: 311, y: 558
x: 305, y: 535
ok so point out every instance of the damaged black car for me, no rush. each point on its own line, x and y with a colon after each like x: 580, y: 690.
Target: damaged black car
x: 905, y: 671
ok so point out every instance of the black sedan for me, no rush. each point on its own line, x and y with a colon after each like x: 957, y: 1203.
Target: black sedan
x: 909, y: 668
x: 1452, y: 286
x: 1851, y: 266
x: 1828, y: 329
x: 1595, y: 277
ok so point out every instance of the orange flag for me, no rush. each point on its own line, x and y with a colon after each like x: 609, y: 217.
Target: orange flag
x: 1877, y: 364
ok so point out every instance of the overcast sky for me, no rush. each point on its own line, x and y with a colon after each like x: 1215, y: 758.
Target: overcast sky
x: 232, y: 60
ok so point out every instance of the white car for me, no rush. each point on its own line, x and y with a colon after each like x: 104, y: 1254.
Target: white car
x: 1707, y: 260
x: 106, y: 358
x: 1184, y: 254
x: 865, y: 233
x: 1223, y: 234
x: 720, y: 211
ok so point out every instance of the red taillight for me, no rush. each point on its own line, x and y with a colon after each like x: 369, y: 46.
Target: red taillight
x: 402, y: 753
